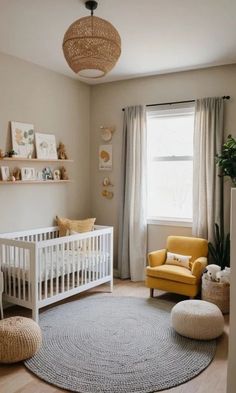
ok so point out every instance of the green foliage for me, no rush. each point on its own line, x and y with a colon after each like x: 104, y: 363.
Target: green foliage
x: 227, y: 159
x: 220, y: 251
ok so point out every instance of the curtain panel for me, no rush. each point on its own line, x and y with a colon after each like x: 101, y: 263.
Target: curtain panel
x: 132, y: 247
x: 207, y: 185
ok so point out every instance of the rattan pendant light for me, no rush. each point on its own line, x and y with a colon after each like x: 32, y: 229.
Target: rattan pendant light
x: 91, y: 45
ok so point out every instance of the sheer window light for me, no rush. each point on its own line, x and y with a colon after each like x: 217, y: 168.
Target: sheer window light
x: 170, y: 163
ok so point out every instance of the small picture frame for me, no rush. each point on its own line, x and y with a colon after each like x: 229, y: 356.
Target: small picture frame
x: 28, y: 174
x: 39, y: 176
x: 47, y: 174
x: 105, y: 157
x: 5, y: 172
x: 46, y: 146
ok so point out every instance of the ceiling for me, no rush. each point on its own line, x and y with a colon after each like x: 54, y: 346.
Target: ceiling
x: 158, y: 36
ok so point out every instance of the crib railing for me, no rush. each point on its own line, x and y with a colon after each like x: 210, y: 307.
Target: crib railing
x: 40, y: 268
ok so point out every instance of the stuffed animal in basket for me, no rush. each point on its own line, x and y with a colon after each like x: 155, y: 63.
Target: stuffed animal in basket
x: 211, y: 272
x: 223, y: 276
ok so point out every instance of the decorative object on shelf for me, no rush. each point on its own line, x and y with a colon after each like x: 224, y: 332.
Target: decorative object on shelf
x: 107, y: 194
x: 2, y: 154
x: 46, y: 146
x: 64, y: 175
x: 91, y: 45
x: 105, y: 157
x: 107, y: 133
x: 27, y: 174
x: 57, y: 174
x: 61, y: 152
x: 227, y: 159
x: 47, y: 174
x: 5, y: 172
x: 11, y: 154
x: 39, y: 175
x: 17, y: 174
x: 107, y: 182
x: 22, y: 139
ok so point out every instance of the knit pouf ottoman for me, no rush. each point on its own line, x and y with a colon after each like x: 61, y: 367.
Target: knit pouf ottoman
x: 20, y: 339
x: 197, y: 319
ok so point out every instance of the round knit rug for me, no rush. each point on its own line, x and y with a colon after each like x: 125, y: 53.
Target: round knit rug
x: 116, y: 345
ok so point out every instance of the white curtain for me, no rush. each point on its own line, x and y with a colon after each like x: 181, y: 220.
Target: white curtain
x: 133, y: 228
x: 207, y: 185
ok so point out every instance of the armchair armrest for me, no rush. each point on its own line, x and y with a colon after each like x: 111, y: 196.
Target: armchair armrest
x: 198, y: 267
x: 157, y: 258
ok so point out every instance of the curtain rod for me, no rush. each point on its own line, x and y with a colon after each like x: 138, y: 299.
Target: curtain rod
x: 178, y: 102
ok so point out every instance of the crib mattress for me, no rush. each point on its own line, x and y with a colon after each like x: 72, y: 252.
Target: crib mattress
x: 56, y: 265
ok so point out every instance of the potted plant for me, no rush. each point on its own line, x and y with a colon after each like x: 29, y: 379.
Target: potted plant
x: 215, y: 291
x: 227, y: 159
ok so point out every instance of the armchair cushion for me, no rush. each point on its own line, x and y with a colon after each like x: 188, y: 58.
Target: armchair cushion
x: 173, y: 273
x: 178, y: 260
x: 194, y: 246
x: 198, y: 267
x: 157, y: 258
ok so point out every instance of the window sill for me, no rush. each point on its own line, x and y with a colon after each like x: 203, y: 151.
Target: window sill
x: 169, y: 222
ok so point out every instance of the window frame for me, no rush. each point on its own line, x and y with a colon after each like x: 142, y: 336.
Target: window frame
x: 164, y: 111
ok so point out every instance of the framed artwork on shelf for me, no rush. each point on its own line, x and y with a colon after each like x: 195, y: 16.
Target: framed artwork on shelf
x: 46, y: 146
x: 105, y: 157
x: 5, y: 172
x: 23, y: 139
x: 47, y: 174
x: 27, y: 174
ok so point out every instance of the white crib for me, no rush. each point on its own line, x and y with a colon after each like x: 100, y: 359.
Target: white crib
x: 41, y: 268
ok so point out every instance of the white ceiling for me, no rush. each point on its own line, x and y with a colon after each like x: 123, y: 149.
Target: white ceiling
x: 158, y: 36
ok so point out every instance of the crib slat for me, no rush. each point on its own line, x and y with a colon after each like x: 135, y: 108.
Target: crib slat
x: 14, y: 271
x: 51, y: 280
x: 73, y: 263
x: 63, y: 265
x: 68, y: 265
x: 40, y: 264
x: 57, y: 272
x: 24, y: 271
x: 46, y: 264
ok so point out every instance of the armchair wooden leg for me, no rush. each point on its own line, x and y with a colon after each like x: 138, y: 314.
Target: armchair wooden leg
x: 151, y: 292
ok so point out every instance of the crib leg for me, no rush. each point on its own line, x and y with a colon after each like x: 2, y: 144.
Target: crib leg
x: 35, y: 314
x: 111, y: 286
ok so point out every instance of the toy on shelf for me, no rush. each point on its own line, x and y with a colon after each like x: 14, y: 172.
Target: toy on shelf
x: 16, y: 174
x: 64, y: 175
x: 61, y: 152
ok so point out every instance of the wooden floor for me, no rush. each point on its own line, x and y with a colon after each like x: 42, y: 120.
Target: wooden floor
x: 17, y: 379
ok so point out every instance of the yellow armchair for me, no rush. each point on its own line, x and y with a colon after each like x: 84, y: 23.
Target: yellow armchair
x: 178, y: 279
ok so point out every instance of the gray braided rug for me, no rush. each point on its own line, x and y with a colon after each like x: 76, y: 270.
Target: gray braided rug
x: 116, y: 345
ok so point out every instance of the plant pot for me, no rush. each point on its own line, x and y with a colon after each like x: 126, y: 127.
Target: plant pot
x: 217, y: 293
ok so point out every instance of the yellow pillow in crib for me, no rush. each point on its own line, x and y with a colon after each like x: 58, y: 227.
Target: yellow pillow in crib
x: 67, y: 226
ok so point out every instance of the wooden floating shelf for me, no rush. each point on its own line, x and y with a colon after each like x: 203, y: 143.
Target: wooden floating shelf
x: 22, y: 159
x: 17, y: 182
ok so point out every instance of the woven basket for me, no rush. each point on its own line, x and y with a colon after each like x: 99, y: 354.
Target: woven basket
x: 217, y: 293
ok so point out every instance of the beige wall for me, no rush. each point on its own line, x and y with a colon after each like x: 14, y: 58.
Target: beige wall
x: 107, y: 101
x: 54, y: 104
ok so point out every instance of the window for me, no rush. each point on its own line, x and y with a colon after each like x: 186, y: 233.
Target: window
x: 170, y: 163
